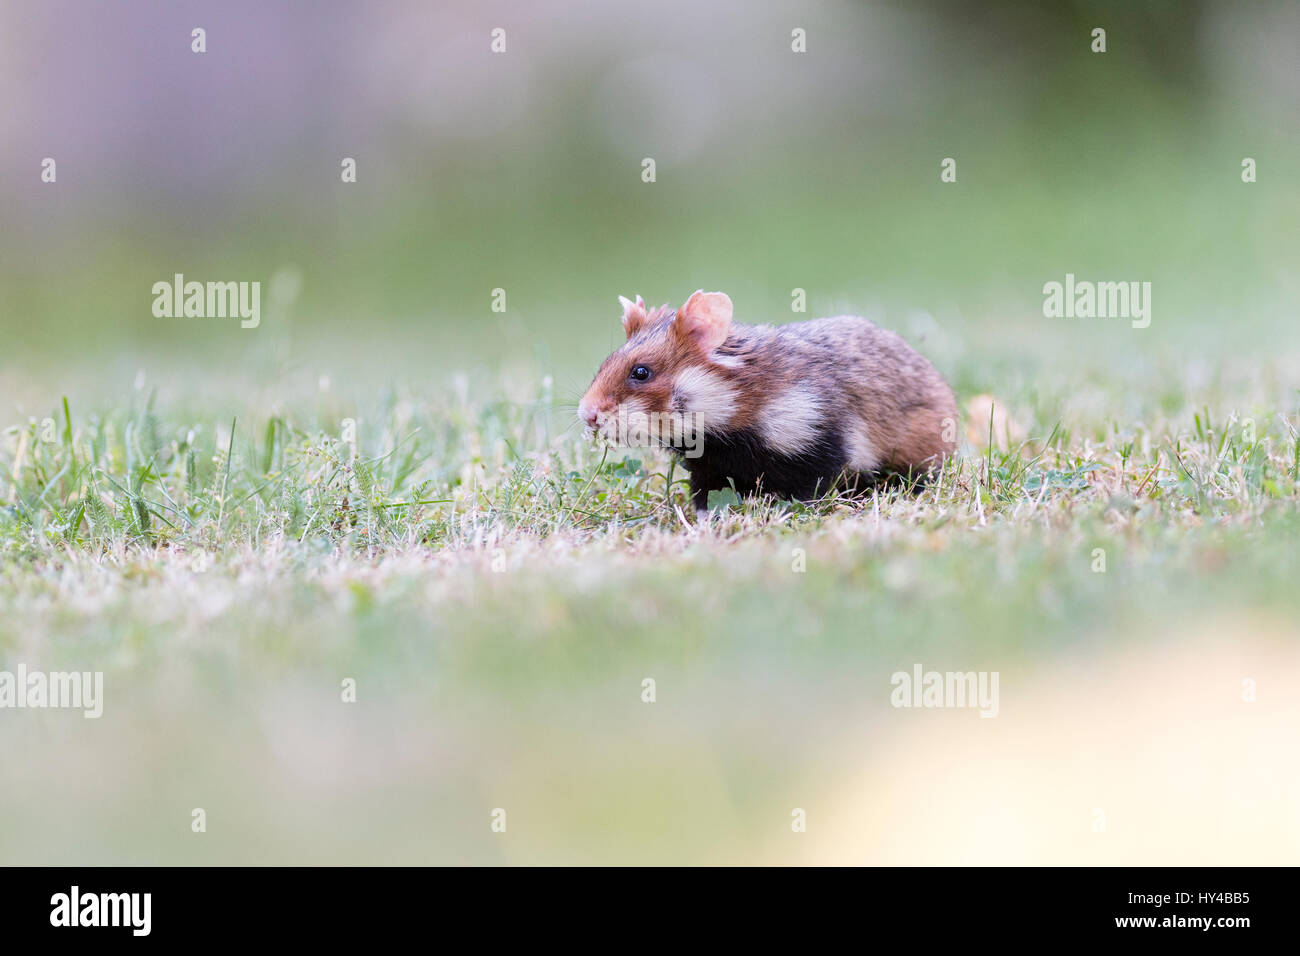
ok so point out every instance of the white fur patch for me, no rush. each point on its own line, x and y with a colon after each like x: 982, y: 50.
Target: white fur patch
x: 790, y: 422
x: 707, y: 395
x: 730, y: 361
x: 861, y: 450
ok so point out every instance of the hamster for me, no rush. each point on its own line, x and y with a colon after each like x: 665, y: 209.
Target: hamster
x: 787, y: 410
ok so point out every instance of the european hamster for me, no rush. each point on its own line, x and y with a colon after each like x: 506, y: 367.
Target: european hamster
x: 788, y: 410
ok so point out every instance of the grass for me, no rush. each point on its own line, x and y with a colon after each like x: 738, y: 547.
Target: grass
x: 430, y: 471
x: 499, y: 588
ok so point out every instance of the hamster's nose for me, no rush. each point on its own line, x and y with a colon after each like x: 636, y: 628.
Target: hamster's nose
x: 587, y: 413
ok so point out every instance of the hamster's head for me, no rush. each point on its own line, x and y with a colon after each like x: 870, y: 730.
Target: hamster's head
x: 666, y: 371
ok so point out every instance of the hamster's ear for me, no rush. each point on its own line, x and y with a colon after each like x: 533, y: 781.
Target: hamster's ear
x: 705, y: 319
x: 633, y: 315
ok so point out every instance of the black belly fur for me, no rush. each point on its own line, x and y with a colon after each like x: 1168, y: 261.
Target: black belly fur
x: 741, y: 458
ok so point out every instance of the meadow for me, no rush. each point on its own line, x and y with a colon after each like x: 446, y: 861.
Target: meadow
x: 362, y: 591
x: 498, y: 588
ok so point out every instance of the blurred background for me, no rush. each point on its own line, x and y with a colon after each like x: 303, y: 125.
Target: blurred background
x: 522, y: 171
x: 775, y: 171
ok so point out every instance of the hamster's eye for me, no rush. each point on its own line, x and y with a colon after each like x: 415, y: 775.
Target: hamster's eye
x: 640, y: 373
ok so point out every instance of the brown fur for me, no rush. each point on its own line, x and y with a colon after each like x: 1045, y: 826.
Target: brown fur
x: 886, y: 402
